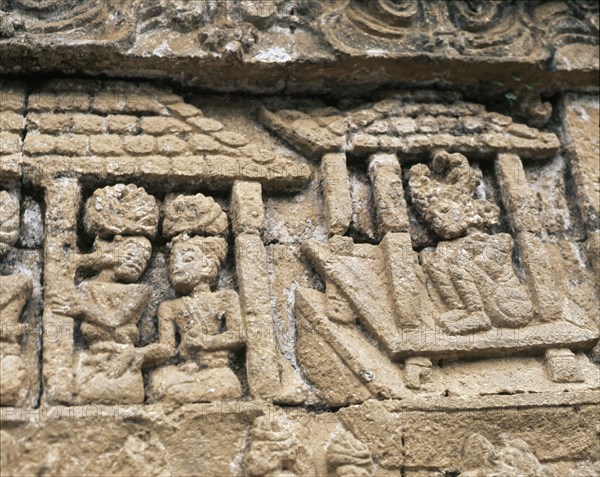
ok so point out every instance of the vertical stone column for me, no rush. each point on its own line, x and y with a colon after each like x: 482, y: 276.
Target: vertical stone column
x: 262, y: 364
x: 390, y: 205
x: 63, y: 197
x: 523, y: 218
x: 581, y: 114
x: 400, y: 262
x: 336, y: 191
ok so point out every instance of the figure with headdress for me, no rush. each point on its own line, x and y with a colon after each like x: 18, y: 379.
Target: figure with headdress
x: 208, y: 322
x: 111, y: 303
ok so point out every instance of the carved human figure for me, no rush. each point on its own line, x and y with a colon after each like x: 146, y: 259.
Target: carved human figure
x: 209, y: 324
x: 443, y: 195
x: 348, y: 457
x: 515, y: 457
x: 273, y: 449
x: 475, y: 279
x: 111, y: 303
x: 15, y: 290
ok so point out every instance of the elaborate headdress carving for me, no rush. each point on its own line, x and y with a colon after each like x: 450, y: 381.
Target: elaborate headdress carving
x: 193, y: 214
x: 443, y: 195
x: 213, y: 246
x: 121, y: 210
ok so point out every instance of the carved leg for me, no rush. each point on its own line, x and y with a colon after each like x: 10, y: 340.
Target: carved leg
x: 438, y: 273
x: 459, y: 322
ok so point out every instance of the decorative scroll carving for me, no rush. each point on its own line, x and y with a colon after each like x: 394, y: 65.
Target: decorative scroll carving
x: 53, y: 16
x: 493, y: 29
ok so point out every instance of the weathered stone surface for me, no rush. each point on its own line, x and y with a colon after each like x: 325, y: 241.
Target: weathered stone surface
x: 345, y: 275
x: 332, y: 45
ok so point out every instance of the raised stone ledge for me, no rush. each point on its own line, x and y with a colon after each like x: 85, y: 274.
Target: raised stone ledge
x: 309, y: 46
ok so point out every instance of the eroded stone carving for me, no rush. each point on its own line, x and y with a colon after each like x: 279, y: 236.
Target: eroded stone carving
x: 121, y: 210
x: 475, y: 278
x: 468, y: 285
x: 100, y: 356
x: 443, y: 195
x: 15, y: 290
x: 492, y: 30
x: 241, y: 358
x: 193, y: 215
x: 209, y: 324
x: 409, y: 124
x: 273, y: 449
x: 110, y: 369
x: 347, y: 456
x: 514, y: 457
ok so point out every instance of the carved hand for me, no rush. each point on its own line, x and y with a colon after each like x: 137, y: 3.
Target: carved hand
x: 221, y: 341
x: 129, y: 359
x: 69, y: 305
x: 155, y: 354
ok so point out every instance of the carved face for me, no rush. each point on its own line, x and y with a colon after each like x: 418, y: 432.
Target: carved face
x: 132, y: 256
x: 190, y: 265
x: 447, y: 219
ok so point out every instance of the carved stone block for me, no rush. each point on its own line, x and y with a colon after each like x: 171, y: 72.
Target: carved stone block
x: 271, y: 264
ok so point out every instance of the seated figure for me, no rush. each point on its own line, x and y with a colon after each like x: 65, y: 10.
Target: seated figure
x: 209, y: 324
x: 475, y: 279
x: 111, y: 304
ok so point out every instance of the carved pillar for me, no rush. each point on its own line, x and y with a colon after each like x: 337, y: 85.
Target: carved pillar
x: 336, y: 191
x: 523, y: 218
x: 391, y: 209
x: 405, y: 287
x: 63, y: 197
x: 251, y: 265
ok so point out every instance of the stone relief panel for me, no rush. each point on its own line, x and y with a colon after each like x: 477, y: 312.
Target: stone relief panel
x: 114, y: 222
x: 286, y: 255
x: 387, y: 27
x: 479, y: 273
